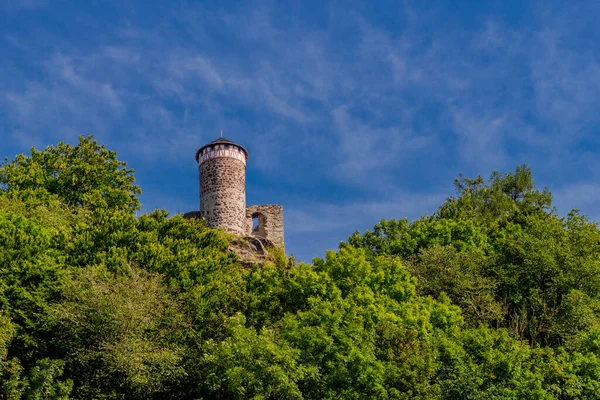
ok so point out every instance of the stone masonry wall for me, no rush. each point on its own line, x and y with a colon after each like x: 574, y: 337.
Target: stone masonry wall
x: 223, y: 194
x: 270, y: 222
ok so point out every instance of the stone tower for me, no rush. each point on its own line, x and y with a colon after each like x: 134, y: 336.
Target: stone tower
x: 222, y: 169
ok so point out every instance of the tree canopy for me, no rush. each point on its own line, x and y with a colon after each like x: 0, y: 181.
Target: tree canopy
x: 84, y: 175
x: 494, y: 296
x: 500, y: 251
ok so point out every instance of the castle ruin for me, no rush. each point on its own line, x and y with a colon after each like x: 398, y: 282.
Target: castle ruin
x: 222, y: 170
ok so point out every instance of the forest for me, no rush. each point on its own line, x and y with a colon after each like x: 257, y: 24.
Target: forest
x: 493, y: 296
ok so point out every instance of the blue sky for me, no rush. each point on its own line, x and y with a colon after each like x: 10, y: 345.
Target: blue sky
x: 351, y: 111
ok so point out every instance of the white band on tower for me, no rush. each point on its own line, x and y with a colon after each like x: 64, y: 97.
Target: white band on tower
x: 222, y: 150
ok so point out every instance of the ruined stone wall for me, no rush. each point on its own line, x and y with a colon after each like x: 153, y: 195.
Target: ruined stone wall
x: 222, y: 169
x: 270, y: 222
x: 223, y: 193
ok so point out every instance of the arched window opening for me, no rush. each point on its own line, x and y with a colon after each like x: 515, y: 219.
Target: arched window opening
x: 259, y: 222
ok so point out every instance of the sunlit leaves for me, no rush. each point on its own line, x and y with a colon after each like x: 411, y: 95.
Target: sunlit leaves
x: 499, y: 250
x: 84, y: 175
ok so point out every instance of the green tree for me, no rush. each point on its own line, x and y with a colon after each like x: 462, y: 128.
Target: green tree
x: 499, y: 250
x: 462, y: 275
x: 84, y: 175
x: 119, y: 333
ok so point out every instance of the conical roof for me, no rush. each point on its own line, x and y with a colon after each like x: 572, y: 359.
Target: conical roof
x: 220, y: 140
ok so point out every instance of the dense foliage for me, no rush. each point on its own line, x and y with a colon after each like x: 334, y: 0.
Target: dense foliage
x: 494, y: 296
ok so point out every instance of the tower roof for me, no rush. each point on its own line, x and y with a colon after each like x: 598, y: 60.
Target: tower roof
x: 220, y: 140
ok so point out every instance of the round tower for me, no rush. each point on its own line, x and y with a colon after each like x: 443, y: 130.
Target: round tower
x: 222, y: 169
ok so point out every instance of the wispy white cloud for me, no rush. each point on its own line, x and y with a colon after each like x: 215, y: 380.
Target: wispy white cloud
x: 581, y: 196
x: 315, y: 225
x: 367, y: 151
x: 481, y: 135
x: 195, y: 67
x: 67, y: 103
x: 306, y: 85
x: 121, y: 54
x: 567, y: 85
x: 16, y: 5
x: 330, y: 217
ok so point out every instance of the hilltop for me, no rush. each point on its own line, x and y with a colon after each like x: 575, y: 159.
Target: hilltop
x: 493, y: 296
